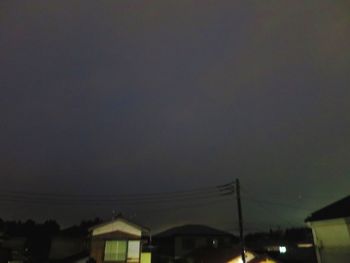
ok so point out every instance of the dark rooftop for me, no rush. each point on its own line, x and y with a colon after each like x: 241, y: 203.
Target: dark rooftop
x: 335, y: 210
x: 192, y: 230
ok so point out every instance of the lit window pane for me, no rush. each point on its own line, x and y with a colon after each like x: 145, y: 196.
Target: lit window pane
x: 134, y: 251
x: 115, y: 250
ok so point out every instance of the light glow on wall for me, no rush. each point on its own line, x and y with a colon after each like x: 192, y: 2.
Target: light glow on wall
x: 305, y: 245
x: 248, y: 256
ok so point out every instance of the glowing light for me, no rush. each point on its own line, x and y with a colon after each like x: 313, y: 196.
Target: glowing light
x: 305, y: 245
x: 282, y: 249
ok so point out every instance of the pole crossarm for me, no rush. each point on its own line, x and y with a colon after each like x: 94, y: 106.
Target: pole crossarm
x: 227, y: 189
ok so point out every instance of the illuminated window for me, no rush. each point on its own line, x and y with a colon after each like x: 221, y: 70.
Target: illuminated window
x: 134, y: 251
x: 115, y: 250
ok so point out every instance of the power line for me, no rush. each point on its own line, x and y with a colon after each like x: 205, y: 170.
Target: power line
x: 267, y: 210
x: 265, y: 205
x: 248, y: 196
x: 192, y: 206
x: 67, y: 199
x: 285, y: 205
x: 104, y: 201
x: 139, y: 195
x: 64, y: 198
x: 299, y: 195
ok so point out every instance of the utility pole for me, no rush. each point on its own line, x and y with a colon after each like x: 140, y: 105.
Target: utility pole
x: 229, y: 189
x: 240, y: 219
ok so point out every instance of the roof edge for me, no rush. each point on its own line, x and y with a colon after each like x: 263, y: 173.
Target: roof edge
x: 121, y: 218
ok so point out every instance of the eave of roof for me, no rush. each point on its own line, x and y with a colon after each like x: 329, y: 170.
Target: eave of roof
x: 338, y: 209
x: 120, y: 218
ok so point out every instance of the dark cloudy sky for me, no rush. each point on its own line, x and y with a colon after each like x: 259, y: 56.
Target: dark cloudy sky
x: 110, y: 97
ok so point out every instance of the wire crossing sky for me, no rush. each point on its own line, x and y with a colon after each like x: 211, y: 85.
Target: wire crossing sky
x: 135, y: 97
x: 112, y: 199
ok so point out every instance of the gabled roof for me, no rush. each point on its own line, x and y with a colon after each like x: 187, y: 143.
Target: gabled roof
x: 338, y: 209
x: 121, y: 218
x: 192, y: 230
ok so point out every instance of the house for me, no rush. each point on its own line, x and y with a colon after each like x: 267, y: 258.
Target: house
x: 69, y: 245
x: 14, y: 249
x: 174, y: 243
x: 119, y: 240
x: 331, y: 232
x: 224, y: 255
x: 290, y: 245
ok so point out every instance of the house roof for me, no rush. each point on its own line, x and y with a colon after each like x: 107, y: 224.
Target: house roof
x: 121, y: 218
x: 73, y: 231
x: 192, y: 230
x: 335, y: 210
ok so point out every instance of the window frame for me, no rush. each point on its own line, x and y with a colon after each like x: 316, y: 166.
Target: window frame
x: 126, y: 252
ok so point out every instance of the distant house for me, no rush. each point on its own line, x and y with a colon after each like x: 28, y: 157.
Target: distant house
x: 224, y: 255
x: 291, y: 245
x: 15, y: 248
x: 174, y: 243
x: 331, y: 232
x: 69, y: 245
x: 119, y: 240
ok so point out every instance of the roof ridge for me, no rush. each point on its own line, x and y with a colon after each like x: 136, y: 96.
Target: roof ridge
x: 192, y: 229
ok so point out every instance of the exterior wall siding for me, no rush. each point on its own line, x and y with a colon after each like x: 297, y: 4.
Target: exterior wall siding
x: 97, y: 250
x: 332, y: 240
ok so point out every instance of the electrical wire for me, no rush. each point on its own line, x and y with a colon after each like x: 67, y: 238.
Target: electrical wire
x: 149, y: 198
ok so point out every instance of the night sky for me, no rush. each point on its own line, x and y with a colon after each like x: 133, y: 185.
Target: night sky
x: 129, y: 97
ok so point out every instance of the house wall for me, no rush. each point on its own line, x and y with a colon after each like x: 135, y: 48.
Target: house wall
x: 332, y: 240
x: 97, y: 250
x: 146, y: 257
x: 179, y: 249
x: 62, y: 247
x: 199, y: 242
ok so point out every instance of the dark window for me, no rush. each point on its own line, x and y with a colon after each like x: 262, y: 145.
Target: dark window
x: 215, y: 243
x: 188, y: 243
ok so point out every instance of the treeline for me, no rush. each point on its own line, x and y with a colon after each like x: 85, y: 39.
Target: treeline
x: 28, y: 228
x: 49, y: 227
x: 38, y: 236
